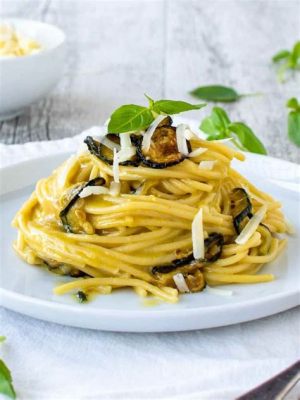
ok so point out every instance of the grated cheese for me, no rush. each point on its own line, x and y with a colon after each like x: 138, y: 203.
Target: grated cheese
x: 198, y: 236
x: 114, y: 189
x: 125, y: 140
x: 181, y: 140
x: 197, y: 152
x: 209, y: 164
x: 14, y: 44
x: 146, y: 143
x: 181, y: 283
x: 89, y: 190
x: 189, y: 134
x: 251, y: 225
x: 109, y: 143
x: 116, y: 171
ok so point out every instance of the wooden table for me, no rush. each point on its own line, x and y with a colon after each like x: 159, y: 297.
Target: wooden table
x: 117, y: 50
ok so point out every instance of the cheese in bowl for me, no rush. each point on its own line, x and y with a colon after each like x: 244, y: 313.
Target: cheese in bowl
x: 31, y: 63
x: 15, y: 44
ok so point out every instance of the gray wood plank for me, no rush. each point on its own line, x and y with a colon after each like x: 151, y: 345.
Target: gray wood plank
x: 115, y: 54
x: 117, y: 50
x: 231, y: 42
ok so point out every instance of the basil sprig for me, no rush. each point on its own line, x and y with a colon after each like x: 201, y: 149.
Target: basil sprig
x: 287, y: 60
x: 216, y: 93
x: 132, y: 118
x: 218, y: 126
x: 6, y: 386
x: 294, y: 120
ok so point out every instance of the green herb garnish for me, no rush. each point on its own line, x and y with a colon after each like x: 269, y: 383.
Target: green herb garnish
x: 6, y: 386
x: 81, y: 297
x: 294, y: 120
x: 216, y: 93
x: 132, y: 118
x: 287, y: 60
x: 218, y: 126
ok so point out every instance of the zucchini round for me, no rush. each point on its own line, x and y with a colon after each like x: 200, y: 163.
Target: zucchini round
x: 213, y: 250
x: 163, y: 150
x: 66, y: 222
x: 241, y: 208
x: 104, y: 153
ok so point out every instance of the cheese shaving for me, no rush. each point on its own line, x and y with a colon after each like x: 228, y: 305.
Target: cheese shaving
x: 198, y: 236
x: 209, y: 164
x: 114, y: 189
x: 89, y: 190
x: 181, y: 283
x: 181, y: 140
x: 251, y: 225
x: 146, y: 143
x: 116, y: 171
x: 197, y: 152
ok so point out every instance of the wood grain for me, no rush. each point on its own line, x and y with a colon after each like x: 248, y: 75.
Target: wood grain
x: 117, y: 50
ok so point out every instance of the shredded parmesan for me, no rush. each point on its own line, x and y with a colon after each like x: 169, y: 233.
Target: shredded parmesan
x: 209, y: 164
x: 188, y: 134
x: 15, y: 44
x: 251, y: 225
x: 116, y: 171
x: 146, y: 143
x: 109, y: 143
x: 219, y: 292
x: 181, y: 140
x: 198, y: 236
x: 125, y: 140
x: 197, y: 152
x: 114, y: 189
x: 89, y: 190
x: 181, y: 283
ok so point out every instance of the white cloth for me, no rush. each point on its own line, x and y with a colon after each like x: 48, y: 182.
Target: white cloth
x: 53, y: 362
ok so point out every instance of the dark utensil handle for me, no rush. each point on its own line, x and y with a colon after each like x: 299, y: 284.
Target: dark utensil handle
x: 277, y: 387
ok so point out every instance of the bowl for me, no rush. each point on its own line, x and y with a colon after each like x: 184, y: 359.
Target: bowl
x: 27, y: 79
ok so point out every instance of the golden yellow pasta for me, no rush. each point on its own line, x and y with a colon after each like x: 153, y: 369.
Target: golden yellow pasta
x: 146, y: 231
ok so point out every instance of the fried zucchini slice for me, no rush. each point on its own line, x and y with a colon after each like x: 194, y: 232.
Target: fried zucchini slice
x: 64, y: 215
x: 241, y: 208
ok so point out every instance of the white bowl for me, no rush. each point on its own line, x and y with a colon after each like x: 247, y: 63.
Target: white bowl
x: 26, y: 79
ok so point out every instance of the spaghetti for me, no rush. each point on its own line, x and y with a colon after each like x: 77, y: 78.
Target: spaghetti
x: 141, y: 229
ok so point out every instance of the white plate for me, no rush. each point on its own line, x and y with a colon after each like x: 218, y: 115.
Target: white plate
x: 28, y: 289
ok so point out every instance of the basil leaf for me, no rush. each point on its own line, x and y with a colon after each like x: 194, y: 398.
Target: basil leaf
x: 174, y: 106
x: 6, y: 386
x: 130, y: 118
x: 294, y: 127
x: 247, y: 138
x: 295, y: 55
x: 2, y: 339
x: 216, y: 93
x: 208, y: 126
x: 293, y: 103
x: 288, y: 59
x: 281, y: 55
x: 220, y: 118
x: 216, y: 124
x: 151, y: 101
x: 294, y: 120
